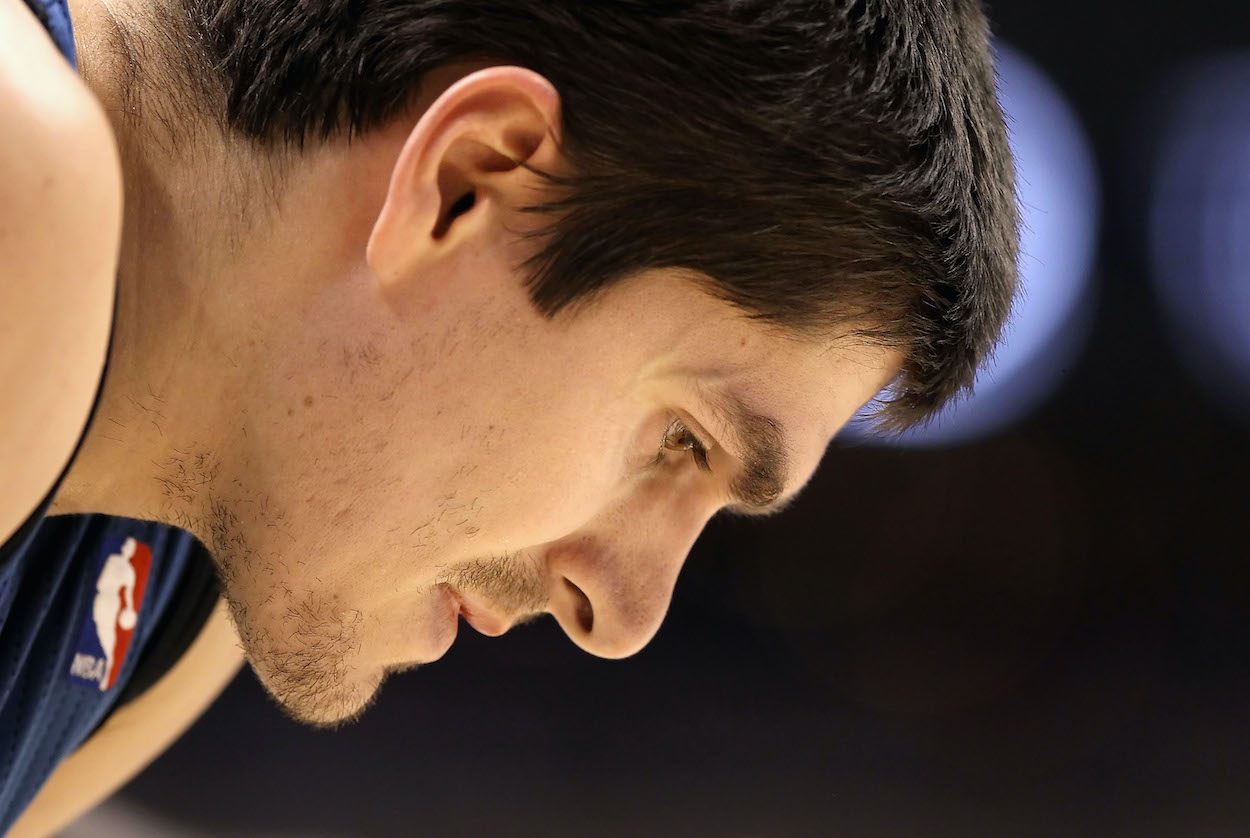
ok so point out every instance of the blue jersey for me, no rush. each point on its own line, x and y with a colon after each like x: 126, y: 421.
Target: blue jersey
x: 93, y: 609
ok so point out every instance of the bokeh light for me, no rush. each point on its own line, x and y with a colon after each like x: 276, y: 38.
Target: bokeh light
x: 1200, y: 222
x: 1059, y: 196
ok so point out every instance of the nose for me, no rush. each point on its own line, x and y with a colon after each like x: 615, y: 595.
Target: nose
x: 612, y: 586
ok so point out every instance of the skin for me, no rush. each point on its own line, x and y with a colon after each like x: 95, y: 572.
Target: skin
x: 347, y: 396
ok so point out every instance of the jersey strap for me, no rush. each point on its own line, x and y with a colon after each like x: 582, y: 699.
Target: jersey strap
x: 54, y: 15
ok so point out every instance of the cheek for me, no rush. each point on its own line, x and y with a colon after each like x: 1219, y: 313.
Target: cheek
x: 553, y: 483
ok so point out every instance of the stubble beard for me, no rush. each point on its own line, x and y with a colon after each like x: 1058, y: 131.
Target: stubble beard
x: 303, y: 647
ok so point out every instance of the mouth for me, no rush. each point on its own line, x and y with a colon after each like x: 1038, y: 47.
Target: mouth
x: 478, y: 616
x: 452, y: 628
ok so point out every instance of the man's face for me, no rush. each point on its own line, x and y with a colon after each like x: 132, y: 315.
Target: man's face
x: 501, y: 461
x: 408, y: 437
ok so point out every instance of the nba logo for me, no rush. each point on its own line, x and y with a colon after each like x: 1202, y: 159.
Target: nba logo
x: 121, y: 579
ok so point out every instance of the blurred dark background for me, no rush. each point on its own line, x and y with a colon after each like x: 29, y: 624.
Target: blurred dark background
x: 1035, y: 630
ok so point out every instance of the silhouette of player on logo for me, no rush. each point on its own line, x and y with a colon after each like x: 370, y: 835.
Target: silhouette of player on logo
x: 115, y: 603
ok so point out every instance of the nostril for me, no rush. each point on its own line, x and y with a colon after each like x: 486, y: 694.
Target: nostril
x: 585, y: 614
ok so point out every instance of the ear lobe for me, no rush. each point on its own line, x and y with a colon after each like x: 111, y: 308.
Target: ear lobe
x: 461, y: 167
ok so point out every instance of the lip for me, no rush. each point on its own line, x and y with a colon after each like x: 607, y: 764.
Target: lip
x: 447, y: 636
x: 453, y: 629
x: 476, y: 615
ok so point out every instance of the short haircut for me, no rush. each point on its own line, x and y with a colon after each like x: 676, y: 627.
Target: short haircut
x: 821, y: 162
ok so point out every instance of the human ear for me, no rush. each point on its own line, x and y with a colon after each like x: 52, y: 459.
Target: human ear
x: 460, y: 169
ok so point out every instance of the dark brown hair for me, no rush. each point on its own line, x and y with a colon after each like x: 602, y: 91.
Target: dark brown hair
x: 820, y: 161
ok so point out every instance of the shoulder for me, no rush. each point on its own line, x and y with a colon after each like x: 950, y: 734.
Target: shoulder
x: 62, y: 173
x: 60, y: 228
x: 138, y: 732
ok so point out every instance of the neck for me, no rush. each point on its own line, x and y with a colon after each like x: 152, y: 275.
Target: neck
x: 228, y: 250
x: 148, y: 452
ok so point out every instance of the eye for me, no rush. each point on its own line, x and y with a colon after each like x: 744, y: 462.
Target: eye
x: 677, y: 437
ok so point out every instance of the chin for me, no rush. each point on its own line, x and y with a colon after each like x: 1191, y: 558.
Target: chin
x: 308, y: 659
x: 322, y: 698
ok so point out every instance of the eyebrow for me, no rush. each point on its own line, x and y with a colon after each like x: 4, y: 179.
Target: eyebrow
x: 764, y: 451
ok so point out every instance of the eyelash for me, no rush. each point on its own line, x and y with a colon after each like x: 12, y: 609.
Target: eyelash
x: 698, y: 451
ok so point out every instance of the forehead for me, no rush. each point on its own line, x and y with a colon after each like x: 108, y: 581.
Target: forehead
x: 810, y: 389
x: 820, y: 380
x: 691, y: 336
